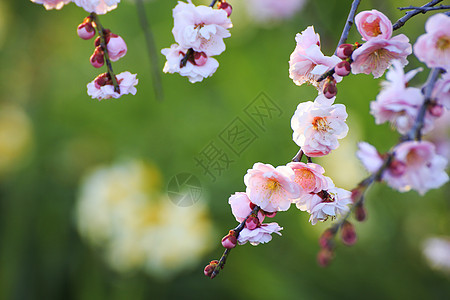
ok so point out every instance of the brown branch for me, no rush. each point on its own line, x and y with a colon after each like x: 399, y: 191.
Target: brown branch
x: 412, y: 13
x: 101, y: 32
x: 348, y: 23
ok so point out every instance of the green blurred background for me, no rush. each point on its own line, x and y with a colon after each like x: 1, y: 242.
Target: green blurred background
x: 44, y: 69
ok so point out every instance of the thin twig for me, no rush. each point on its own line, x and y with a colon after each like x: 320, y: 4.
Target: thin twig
x: 412, y: 13
x: 152, y: 52
x: 101, y: 32
x: 348, y: 23
x: 213, y: 3
x: 416, y: 130
x: 425, y: 9
x: 298, y: 157
x: 225, y: 254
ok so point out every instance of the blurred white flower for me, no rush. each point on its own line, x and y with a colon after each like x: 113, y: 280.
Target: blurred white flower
x: 122, y: 210
x: 437, y: 252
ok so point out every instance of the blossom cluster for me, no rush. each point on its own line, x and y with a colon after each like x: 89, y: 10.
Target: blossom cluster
x: 108, y: 47
x: 274, y: 189
x: 199, y: 32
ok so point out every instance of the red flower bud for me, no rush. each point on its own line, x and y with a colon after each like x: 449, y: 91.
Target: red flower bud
x: 225, y: 6
x: 229, y: 241
x: 97, y: 59
x: 324, y: 257
x: 200, y: 58
x: 343, y: 68
x: 360, y: 213
x: 252, y: 223
x: 209, y: 269
x: 85, y: 30
x: 329, y: 88
x: 348, y: 233
x: 326, y: 239
x: 345, y: 51
x: 436, y: 110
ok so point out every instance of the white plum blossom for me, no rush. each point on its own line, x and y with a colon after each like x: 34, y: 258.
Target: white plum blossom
x: 261, y: 234
x: 52, y: 4
x: 271, y: 188
x: 369, y: 157
x: 433, y: 47
x: 195, y: 72
x: 105, y: 90
x: 201, y: 28
x: 437, y: 252
x: 100, y: 7
x: 318, y: 125
x: 307, y: 62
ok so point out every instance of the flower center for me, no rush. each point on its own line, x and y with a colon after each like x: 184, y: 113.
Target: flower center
x: 306, y: 179
x: 199, y: 25
x: 272, y: 185
x: 320, y: 124
x: 372, y: 28
x: 443, y: 43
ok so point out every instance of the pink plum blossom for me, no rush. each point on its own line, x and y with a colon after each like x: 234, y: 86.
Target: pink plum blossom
x: 309, y: 177
x: 424, y: 168
x: 433, y: 47
x: 201, y: 28
x: 369, y: 157
x: 271, y: 188
x: 267, y: 11
x: 194, y: 72
x: 439, y: 136
x: 52, y: 4
x: 397, y: 103
x: 373, y: 24
x: 241, y: 207
x: 307, y: 62
x: 318, y: 125
x: 85, y: 30
x: 100, y: 7
x: 116, y: 47
x: 376, y: 55
x: 262, y: 234
x: 415, y: 165
x: 441, y: 90
x: 102, y: 88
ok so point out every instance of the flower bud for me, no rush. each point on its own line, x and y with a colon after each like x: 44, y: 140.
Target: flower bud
x: 343, y: 68
x: 360, y: 213
x: 345, y: 51
x: 252, y: 223
x: 200, y: 58
x: 209, y: 269
x: 436, y: 110
x: 397, y: 168
x: 326, y: 239
x: 116, y: 47
x: 97, y: 59
x: 324, y: 257
x: 329, y: 88
x: 348, y: 233
x: 229, y: 241
x: 226, y: 7
x: 85, y: 30
x: 270, y: 214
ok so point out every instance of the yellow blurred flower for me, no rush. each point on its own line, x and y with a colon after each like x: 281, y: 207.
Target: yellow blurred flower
x: 122, y: 210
